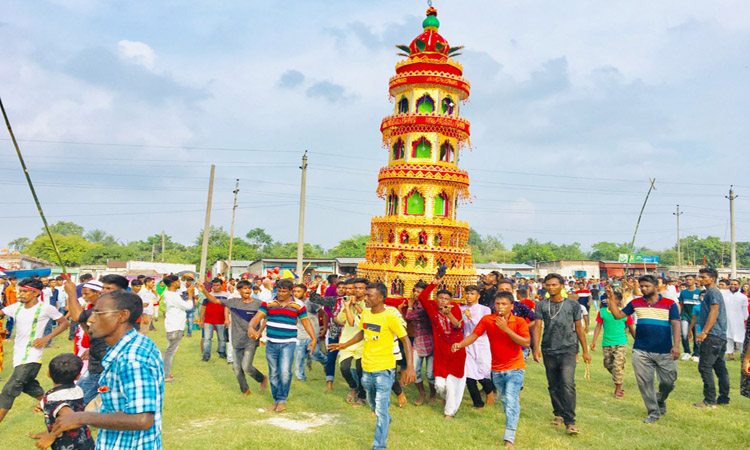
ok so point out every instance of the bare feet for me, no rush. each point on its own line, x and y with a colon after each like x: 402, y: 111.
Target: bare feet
x: 264, y: 384
x: 329, y: 386
x: 433, y: 399
x: 402, y: 400
x: 490, y: 399
x: 448, y: 417
x: 372, y: 414
x: 351, y: 396
x: 246, y: 393
x: 509, y: 445
x: 272, y: 407
x: 169, y: 380
x: 280, y: 407
x: 572, y: 430
x: 557, y: 421
x: 420, y: 401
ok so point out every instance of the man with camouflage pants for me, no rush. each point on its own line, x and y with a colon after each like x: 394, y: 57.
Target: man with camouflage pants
x: 614, y: 342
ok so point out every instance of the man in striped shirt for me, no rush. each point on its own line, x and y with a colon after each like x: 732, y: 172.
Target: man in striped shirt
x: 281, y: 316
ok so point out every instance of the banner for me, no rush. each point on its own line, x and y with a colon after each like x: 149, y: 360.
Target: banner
x: 638, y: 259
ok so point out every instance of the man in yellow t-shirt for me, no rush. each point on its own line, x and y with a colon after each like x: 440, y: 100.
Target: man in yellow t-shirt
x: 378, y: 326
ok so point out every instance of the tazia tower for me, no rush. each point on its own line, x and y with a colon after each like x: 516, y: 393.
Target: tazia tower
x: 422, y: 184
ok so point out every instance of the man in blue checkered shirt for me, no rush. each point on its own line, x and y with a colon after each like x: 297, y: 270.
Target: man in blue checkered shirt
x: 131, y: 386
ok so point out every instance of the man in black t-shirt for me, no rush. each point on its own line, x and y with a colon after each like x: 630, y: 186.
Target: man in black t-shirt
x: 558, y: 346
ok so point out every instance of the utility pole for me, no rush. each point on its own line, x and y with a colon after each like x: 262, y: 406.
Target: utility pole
x: 301, y: 235
x: 679, y: 250
x: 162, y: 246
x: 153, y: 249
x: 231, y: 233
x: 734, y: 243
x: 207, y: 224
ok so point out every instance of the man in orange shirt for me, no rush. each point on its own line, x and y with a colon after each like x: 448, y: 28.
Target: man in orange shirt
x: 11, y: 297
x: 508, y: 335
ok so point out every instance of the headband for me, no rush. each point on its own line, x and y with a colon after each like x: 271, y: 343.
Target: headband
x: 94, y: 285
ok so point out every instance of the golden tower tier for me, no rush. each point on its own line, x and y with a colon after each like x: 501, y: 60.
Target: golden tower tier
x: 422, y: 184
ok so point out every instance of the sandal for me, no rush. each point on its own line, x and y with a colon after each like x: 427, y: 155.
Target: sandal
x: 572, y: 430
x: 619, y: 394
x: 557, y: 421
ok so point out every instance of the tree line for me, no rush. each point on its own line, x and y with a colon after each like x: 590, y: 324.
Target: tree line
x: 79, y: 247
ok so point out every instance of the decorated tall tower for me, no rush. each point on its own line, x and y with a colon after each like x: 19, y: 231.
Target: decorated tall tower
x: 422, y: 184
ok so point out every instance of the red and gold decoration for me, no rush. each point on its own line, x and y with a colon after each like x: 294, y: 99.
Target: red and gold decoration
x: 422, y: 185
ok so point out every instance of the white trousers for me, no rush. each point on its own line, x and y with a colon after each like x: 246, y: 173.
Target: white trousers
x: 452, y: 390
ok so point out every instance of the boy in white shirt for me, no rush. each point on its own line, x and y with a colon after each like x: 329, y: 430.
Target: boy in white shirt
x: 31, y: 317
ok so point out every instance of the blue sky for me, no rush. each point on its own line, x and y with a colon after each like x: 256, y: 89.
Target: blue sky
x: 121, y: 107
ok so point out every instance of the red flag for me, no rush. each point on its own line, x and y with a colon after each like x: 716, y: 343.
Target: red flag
x: 704, y: 260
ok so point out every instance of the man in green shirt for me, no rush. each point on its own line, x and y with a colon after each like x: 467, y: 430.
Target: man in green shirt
x: 688, y: 298
x: 614, y: 342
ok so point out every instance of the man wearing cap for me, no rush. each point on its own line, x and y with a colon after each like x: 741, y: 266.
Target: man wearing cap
x: 90, y: 290
x: 31, y: 317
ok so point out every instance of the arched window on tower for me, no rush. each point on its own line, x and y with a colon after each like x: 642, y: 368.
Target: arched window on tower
x: 446, y: 152
x: 425, y: 104
x: 448, y: 106
x: 440, y: 208
x: 421, y: 148
x: 440, y: 261
x: 438, y: 239
x: 392, y: 203
x: 400, y: 260
x: 391, y: 237
x: 415, y: 203
x: 422, y: 237
x: 403, y: 105
x: 399, y: 149
x: 404, y: 237
x: 421, y: 261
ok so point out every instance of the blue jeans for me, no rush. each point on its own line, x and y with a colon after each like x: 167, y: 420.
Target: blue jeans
x: 378, y: 388
x: 509, y: 384
x: 190, y: 321
x: 9, y: 327
x: 300, y: 357
x: 280, y: 358
x: 427, y: 360
x: 89, y: 384
x: 331, y: 363
x: 208, y: 334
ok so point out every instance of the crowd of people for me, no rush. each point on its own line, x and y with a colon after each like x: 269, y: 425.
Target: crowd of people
x: 114, y: 378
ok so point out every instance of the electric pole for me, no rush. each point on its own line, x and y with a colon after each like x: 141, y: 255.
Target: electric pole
x: 153, y: 249
x: 679, y: 250
x: 733, y: 248
x: 207, y: 225
x: 231, y: 233
x: 301, y: 235
x: 162, y: 246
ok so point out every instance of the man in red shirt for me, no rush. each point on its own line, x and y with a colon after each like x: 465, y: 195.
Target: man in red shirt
x: 447, y: 329
x: 215, y: 317
x: 508, y: 335
x: 522, y: 295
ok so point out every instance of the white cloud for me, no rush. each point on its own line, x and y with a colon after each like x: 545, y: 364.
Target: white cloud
x: 137, y: 53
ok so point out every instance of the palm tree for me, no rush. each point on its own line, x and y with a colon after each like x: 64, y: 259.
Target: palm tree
x: 18, y: 244
x: 96, y: 236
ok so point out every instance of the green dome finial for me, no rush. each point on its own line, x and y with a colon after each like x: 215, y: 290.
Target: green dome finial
x: 431, y: 21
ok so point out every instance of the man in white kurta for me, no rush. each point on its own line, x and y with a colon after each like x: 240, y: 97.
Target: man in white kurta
x: 736, y: 305
x: 478, y: 366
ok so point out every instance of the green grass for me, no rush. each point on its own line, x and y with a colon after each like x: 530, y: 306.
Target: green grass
x: 204, y: 410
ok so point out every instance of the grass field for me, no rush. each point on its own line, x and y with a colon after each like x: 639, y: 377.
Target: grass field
x: 204, y: 410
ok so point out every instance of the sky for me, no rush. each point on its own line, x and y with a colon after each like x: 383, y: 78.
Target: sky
x: 121, y: 107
